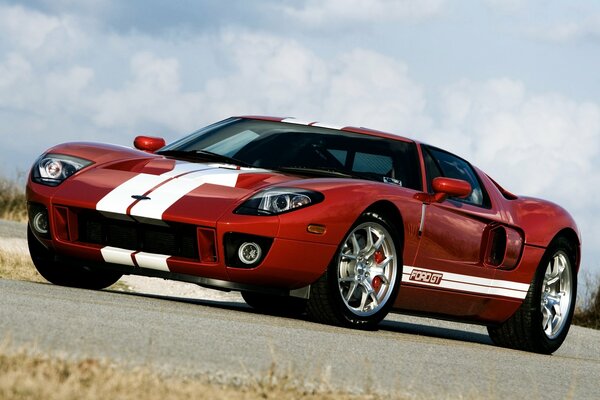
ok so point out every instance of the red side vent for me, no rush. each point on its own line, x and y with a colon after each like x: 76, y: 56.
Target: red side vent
x: 207, y: 245
x: 503, y: 247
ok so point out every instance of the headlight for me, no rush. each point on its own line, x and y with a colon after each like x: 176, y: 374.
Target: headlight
x: 278, y: 201
x: 52, y: 169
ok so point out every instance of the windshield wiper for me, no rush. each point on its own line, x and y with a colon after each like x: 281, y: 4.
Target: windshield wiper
x: 203, y: 155
x: 328, y: 171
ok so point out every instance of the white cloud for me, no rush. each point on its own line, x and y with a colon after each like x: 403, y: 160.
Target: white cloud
x: 267, y: 75
x: 62, y: 79
x: 584, y: 28
x: 333, y: 12
x: 507, y: 6
x: 39, y: 33
x: 13, y: 70
x: 530, y: 141
x: 152, y: 95
x: 27, y: 29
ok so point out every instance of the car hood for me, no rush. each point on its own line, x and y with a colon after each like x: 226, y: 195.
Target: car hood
x: 151, y: 188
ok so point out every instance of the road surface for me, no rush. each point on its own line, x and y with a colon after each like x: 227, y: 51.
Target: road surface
x: 219, y: 336
x: 406, y: 355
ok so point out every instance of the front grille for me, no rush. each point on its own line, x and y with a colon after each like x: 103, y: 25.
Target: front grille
x: 179, y: 240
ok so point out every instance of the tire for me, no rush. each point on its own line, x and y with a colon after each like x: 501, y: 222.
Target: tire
x: 66, y: 274
x: 542, y: 322
x: 273, y: 304
x: 363, y: 279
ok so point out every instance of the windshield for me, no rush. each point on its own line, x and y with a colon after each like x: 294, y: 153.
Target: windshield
x: 298, y: 148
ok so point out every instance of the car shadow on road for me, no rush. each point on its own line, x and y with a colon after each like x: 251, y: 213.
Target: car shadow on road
x: 223, y: 304
x: 413, y: 328
x: 425, y: 329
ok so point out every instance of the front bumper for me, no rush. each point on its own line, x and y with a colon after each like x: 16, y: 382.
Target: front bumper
x: 177, y: 250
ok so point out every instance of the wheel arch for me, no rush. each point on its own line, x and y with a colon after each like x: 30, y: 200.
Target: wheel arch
x: 392, y: 215
x: 570, y: 235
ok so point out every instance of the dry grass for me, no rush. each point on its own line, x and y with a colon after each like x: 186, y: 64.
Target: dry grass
x: 25, y: 376
x: 17, y: 265
x: 588, y: 314
x: 12, y: 200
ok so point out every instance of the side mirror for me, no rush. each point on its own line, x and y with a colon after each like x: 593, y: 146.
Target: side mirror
x: 443, y: 188
x: 148, y: 143
x: 451, y: 187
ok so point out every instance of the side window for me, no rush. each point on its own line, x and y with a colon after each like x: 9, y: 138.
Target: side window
x: 441, y: 163
x: 432, y: 169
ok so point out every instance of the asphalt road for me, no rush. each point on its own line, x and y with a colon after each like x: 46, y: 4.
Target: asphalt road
x: 406, y: 355
x: 229, y: 341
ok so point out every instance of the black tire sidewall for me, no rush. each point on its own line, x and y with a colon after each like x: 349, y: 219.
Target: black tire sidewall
x: 59, y: 273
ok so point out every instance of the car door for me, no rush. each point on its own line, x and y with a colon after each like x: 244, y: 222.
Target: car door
x: 451, y: 250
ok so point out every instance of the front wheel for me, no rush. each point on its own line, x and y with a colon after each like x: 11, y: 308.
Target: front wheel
x: 542, y: 322
x: 363, y: 279
x: 58, y: 273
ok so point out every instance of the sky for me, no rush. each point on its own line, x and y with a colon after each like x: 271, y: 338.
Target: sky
x: 511, y: 85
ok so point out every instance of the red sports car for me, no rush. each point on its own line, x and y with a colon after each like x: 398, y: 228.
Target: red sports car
x: 345, y: 224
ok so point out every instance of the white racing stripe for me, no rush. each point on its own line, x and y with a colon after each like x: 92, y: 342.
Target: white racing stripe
x: 152, y: 261
x: 119, y: 199
x: 452, y: 281
x: 296, y: 121
x: 329, y: 126
x: 313, y: 123
x: 469, y: 283
x: 115, y: 255
x: 169, y: 193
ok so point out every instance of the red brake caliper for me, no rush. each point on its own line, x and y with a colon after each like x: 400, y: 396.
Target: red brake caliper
x: 376, y: 283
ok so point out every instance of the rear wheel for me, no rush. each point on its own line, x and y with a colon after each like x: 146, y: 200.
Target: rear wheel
x: 273, y: 304
x: 362, y: 281
x: 61, y: 274
x: 542, y: 322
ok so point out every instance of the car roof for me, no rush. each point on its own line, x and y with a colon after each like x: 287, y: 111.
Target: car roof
x: 361, y: 130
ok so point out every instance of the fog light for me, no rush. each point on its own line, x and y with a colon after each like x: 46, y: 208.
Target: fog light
x: 249, y: 252
x: 40, y: 222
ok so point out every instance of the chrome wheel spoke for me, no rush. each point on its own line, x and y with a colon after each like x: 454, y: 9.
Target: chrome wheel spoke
x: 349, y: 256
x: 553, y: 280
x: 363, y: 301
x: 378, y: 273
x: 545, y: 318
x: 386, y: 262
x: 353, y: 286
x: 369, y: 238
x: 376, y: 246
x: 355, y: 245
x: 371, y: 293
